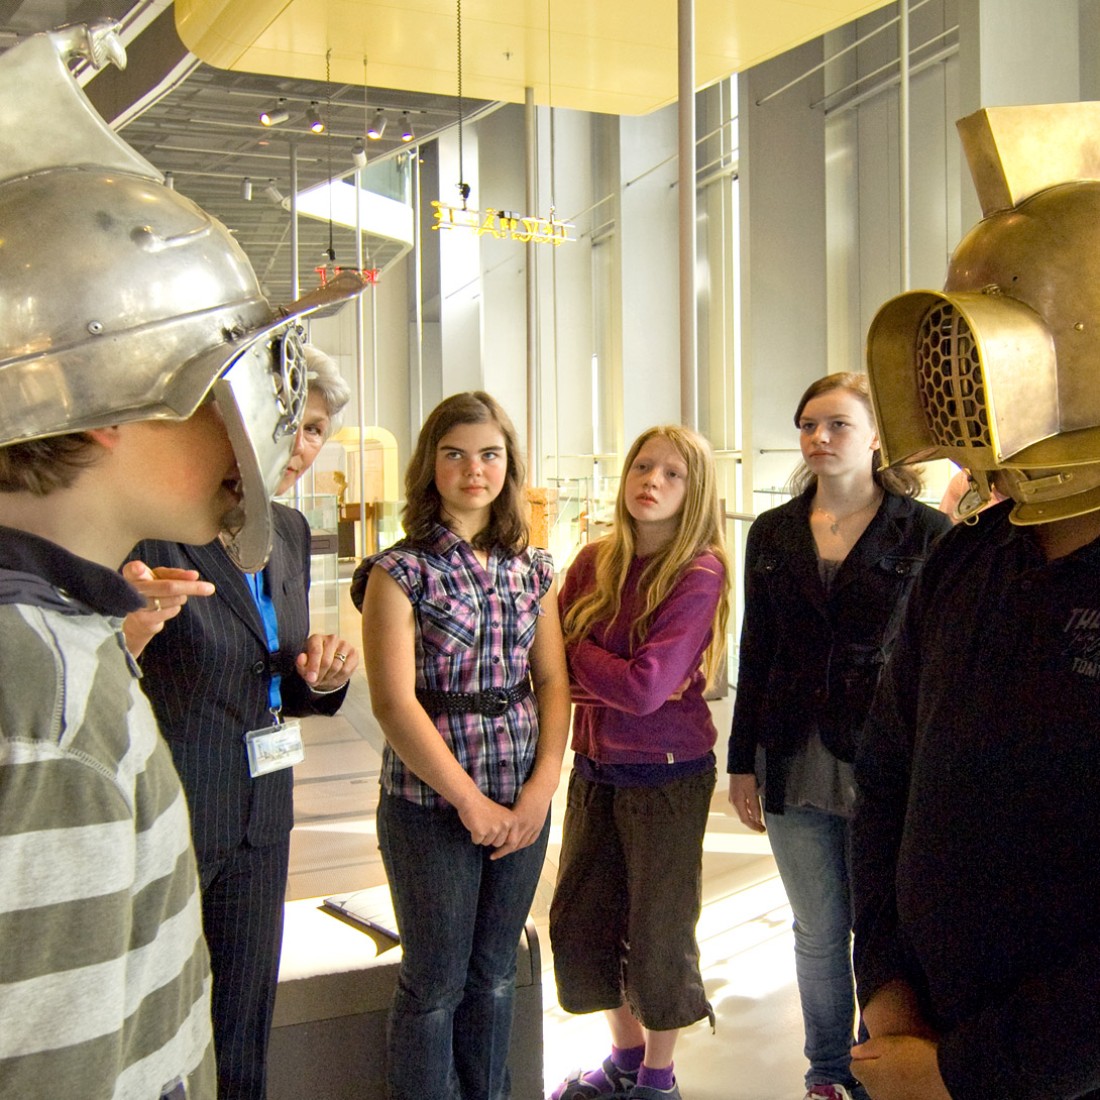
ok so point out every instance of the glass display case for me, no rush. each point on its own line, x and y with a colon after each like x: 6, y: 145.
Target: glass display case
x: 322, y: 512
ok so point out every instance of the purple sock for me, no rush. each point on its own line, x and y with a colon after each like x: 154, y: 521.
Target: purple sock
x: 628, y: 1059
x: 660, y: 1079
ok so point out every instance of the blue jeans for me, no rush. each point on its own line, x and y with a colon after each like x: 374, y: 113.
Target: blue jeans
x: 460, y: 916
x: 811, y: 849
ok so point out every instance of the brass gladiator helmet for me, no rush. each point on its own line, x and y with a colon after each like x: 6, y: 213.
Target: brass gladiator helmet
x: 1001, y: 370
x: 122, y: 300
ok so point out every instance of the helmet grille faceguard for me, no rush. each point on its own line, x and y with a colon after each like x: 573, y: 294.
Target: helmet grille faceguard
x: 951, y: 385
x: 291, y: 382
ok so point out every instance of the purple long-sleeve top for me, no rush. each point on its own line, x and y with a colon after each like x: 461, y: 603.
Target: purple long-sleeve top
x: 624, y: 711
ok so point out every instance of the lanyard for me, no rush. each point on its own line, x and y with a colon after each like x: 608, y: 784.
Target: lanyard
x: 258, y: 586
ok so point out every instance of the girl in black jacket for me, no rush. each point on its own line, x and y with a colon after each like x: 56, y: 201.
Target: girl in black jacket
x: 826, y: 579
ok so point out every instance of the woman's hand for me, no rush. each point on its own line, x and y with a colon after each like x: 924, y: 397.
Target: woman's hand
x: 530, y: 812
x: 489, y: 823
x: 745, y: 799
x: 327, y: 662
x: 165, y: 591
x: 679, y: 692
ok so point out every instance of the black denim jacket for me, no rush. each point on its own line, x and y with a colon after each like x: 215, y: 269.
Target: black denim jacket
x: 811, y: 659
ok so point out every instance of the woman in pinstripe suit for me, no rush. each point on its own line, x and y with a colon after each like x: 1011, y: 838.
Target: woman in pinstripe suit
x: 215, y: 670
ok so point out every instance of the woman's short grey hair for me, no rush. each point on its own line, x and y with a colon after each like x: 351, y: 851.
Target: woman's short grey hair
x: 325, y: 378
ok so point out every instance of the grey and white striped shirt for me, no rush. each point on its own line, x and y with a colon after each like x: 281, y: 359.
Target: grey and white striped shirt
x: 104, y: 978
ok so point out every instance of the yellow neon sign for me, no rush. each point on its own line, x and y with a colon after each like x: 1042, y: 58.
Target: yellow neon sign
x: 501, y: 224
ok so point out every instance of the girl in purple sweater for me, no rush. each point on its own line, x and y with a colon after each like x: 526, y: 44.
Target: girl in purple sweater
x: 644, y: 612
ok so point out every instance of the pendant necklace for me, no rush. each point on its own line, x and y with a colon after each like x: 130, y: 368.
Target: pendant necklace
x: 834, y: 526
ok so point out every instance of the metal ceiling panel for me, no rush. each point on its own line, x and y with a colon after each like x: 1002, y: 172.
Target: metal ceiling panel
x: 614, y: 56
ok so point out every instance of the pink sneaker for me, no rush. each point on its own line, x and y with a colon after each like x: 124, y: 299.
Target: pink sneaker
x: 827, y: 1092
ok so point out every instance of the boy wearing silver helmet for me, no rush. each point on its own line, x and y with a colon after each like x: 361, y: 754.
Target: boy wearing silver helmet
x: 147, y: 390
x: 975, y: 838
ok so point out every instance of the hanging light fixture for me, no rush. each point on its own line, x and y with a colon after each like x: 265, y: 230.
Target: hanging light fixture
x: 406, y: 127
x: 246, y: 189
x: 170, y: 181
x: 359, y: 150
x: 378, y: 125
x: 275, y: 115
x: 313, y: 117
x: 330, y: 252
x: 463, y: 186
x: 502, y: 224
x: 273, y: 193
x: 550, y: 105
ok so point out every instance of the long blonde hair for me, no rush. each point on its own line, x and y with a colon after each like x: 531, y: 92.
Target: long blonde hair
x: 699, y: 531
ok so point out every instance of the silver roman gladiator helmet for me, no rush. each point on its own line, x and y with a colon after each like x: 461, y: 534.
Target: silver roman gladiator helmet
x: 1001, y: 371
x: 121, y: 300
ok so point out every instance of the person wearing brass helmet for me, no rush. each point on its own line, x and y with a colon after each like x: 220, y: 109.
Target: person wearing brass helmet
x: 974, y: 842
x: 147, y: 390
x: 216, y: 670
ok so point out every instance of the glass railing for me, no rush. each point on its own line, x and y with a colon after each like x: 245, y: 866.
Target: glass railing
x: 390, y: 178
x: 387, y: 526
x: 568, y: 530
x: 737, y: 529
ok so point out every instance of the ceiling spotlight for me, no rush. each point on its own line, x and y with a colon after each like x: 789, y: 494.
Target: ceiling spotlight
x: 359, y: 154
x: 169, y: 181
x: 316, y: 123
x: 406, y: 127
x: 378, y: 127
x: 246, y: 189
x: 275, y: 116
x: 273, y: 193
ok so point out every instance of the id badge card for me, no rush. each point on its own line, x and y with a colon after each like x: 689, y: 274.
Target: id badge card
x: 274, y: 748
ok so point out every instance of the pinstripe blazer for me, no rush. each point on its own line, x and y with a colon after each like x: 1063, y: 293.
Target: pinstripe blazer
x: 206, y: 674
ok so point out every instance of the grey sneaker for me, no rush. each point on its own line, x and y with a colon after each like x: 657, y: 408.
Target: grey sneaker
x: 645, y: 1092
x: 575, y: 1087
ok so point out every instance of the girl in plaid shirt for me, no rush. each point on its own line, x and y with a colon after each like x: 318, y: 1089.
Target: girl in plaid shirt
x: 467, y: 676
x: 644, y: 611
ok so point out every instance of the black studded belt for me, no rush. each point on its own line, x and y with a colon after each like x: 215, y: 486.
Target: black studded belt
x: 493, y: 702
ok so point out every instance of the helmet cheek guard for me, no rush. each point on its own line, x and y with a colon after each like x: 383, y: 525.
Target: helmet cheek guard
x: 261, y: 398
x: 1000, y: 372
